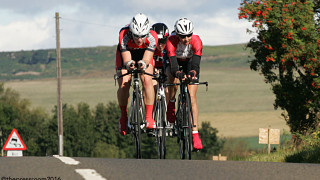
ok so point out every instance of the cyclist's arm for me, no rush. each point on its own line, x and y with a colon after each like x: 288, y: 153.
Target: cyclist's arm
x: 147, y: 56
x: 174, y: 65
x: 152, y: 45
x: 126, y: 56
x: 171, y: 52
x: 195, y: 64
x: 123, y: 40
x: 197, y: 53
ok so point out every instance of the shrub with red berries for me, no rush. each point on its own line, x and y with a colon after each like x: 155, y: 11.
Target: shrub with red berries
x: 287, y: 52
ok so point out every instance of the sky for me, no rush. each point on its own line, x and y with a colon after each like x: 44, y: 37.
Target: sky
x: 31, y: 24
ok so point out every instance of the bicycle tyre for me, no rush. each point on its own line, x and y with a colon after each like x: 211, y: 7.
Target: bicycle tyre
x: 179, y: 123
x: 160, y: 133
x: 164, y: 125
x: 188, y: 127
x: 157, y: 118
x: 136, y: 125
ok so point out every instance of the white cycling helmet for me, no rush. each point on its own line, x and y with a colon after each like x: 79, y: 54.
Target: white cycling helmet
x: 140, y: 26
x: 183, y: 26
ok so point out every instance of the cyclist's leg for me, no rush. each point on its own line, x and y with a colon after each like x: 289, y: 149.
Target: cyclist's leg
x: 195, y: 111
x: 171, y: 96
x: 122, y: 93
x: 197, y: 144
x: 155, y: 85
x: 123, y: 98
x: 149, y: 96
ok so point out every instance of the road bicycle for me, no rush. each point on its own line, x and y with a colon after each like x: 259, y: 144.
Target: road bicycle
x: 136, y: 116
x: 159, y: 115
x: 184, y: 118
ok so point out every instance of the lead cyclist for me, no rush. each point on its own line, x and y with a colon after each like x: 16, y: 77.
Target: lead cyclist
x: 137, y: 43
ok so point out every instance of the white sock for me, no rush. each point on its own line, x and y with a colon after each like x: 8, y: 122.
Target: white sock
x: 194, y: 132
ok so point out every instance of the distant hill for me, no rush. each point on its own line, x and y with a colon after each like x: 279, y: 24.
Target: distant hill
x: 97, y: 61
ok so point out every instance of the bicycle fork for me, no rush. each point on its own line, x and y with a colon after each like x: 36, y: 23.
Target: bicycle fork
x: 135, y: 86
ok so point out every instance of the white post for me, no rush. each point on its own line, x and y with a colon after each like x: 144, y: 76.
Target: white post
x: 269, y: 146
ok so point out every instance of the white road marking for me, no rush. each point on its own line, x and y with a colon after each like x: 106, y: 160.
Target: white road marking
x: 90, y: 174
x: 87, y: 174
x: 67, y: 160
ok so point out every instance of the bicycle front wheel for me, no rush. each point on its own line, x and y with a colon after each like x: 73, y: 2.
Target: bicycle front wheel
x: 180, y: 129
x: 188, y: 127
x: 135, y: 123
x: 160, y: 117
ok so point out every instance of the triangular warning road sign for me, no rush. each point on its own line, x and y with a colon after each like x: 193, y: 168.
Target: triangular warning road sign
x: 14, y: 142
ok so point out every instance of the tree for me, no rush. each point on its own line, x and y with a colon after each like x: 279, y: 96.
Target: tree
x: 211, y: 144
x: 286, y: 51
x: 108, y: 139
x: 16, y: 113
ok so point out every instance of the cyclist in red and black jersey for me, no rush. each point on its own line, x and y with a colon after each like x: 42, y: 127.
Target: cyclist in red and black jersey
x: 137, y: 43
x: 184, y: 49
x: 160, y: 54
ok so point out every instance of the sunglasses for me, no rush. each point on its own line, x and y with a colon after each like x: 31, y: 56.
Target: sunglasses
x: 184, y: 36
x: 137, y: 36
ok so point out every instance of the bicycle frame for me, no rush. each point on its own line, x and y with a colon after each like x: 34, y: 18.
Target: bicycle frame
x: 184, y: 115
x: 136, y: 92
x: 137, y: 112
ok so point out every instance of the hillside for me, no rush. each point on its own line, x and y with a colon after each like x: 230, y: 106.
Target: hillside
x: 95, y: 61
x: 238, y: 101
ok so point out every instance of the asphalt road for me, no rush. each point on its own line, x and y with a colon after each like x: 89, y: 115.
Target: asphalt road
x: 57, y: 168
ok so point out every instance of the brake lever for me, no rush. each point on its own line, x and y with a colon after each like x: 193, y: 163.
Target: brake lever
x: 115, y: 77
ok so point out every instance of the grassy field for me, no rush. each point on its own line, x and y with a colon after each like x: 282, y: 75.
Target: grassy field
x: 237, y: 102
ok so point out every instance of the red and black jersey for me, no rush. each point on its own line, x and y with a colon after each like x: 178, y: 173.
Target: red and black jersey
x: 159, y: 57
x: 126, y: 41
x: 181, y: 51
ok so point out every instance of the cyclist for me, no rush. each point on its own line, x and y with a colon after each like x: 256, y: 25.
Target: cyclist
x: 137, y: 43
x: 160, y: 54
x: 184, y: 49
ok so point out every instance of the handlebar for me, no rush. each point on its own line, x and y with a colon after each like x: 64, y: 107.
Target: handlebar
x: 189, y: 82
x: 135, y: 71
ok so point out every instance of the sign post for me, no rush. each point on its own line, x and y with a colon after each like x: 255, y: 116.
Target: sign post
x: 269, y: 136
x: 14, y: 144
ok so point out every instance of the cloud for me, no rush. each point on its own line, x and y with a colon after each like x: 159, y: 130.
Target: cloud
x: 21, y: 34
x: 84, y: 23
x: 223, y: 29
x: 34, y: 7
